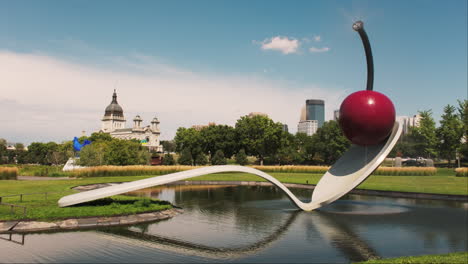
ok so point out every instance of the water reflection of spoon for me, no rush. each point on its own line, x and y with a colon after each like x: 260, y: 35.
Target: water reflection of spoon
x: 191, y: 248
x: 343, y: 238
x: 339, y: 235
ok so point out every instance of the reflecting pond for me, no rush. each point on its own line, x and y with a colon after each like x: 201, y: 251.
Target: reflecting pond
x: 224, y: 223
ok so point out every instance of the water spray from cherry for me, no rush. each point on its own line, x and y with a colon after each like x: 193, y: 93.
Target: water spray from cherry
x: 367, y: 117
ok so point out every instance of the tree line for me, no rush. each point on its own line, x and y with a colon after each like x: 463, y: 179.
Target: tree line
x: 446, y: 141
x: 254, y: 136
x: 104, y: 150
x: 260, y: 137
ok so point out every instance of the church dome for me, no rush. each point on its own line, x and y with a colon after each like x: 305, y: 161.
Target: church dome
x: 114, y: 108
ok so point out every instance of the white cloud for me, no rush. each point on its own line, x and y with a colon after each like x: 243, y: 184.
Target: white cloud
x: 319, y: 50
x: 317, y: 38
x: 283, y: 44
x: 44, y: 98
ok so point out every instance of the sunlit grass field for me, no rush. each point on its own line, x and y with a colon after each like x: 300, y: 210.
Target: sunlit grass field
x: 458, y: 257
x: 40, y: 208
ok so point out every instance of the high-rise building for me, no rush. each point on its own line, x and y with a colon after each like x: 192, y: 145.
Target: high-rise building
x: 336, y: 115
x: 408, y: 122
x: 315, y: 110
x: 285, y: 128
x: 308, y: 127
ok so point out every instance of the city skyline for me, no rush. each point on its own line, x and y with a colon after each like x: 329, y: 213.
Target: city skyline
x: 194, y: 63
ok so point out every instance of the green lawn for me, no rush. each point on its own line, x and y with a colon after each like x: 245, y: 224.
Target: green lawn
x: 39, y: 208
x: 424, y: 184
x: 459, y: 257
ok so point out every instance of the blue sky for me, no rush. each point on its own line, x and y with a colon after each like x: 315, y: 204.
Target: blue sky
x: 192, y: 62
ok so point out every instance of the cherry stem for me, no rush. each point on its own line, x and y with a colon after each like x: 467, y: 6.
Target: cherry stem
x: 359, y: 27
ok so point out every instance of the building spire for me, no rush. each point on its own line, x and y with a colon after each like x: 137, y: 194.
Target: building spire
x: 114, y: 97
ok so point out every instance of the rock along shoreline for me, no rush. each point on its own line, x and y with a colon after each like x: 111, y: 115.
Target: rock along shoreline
x: 88, y: 222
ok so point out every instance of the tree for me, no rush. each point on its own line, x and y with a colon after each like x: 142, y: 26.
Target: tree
x: 126, y: 152
x: 329, y: 142
x: 201, y: 159
x: 218, y: 158
x: 56, y: 158
x: 218, y: 137
x: 289, y: 152
x: 449, y: 133
x: 3, y: 150
x: 305, y: 147
x: 100, y: 137
x: 259, y: 136
x: 241, y: 157
x: 463, y: 116
x: 19, y: 146
x: 168, y: 159
x: 169, y: 146
x: 93, y: 154
x: 425, y: 135
x: 185, y: 157
x: 188, y: 139
x: 41, y: 152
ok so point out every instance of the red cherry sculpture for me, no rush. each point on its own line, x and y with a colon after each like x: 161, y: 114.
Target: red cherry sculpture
x: 367, y: 117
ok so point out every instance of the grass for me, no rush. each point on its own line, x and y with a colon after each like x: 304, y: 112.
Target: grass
x: 104, y: 171
x: 428, y: 184
x: 458, y: 257
x: 139, y: 170
x: 8, y: 173
x: 37, y: 170
x: 38, y: 208
x: 461, y: 172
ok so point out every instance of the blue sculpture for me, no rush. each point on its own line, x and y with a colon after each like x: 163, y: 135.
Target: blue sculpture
x: 77, y: 146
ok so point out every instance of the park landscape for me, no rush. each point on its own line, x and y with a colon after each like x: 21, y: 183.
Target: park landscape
x: 38, y: 202
x: 390, y: 188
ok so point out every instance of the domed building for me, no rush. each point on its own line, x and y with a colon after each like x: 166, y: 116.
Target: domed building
x: 114, y: 121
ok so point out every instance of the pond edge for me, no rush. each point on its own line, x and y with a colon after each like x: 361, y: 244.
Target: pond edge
x: 78, y: 223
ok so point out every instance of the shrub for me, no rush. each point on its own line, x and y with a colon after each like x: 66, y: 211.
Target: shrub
x: 201, y: 159
x: 461, y: 172
x: 218, y: 158
x: 185, y: 157
x: 292, y: 169
x: 406, y: 171
x: 168, y: 159
x: 8, y: 173
x: 390, y: 171
x: 241, y: 157
x: 137, y: 170
x: 143, y: 203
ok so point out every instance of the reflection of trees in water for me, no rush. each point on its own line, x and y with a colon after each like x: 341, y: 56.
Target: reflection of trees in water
x: 232, y: 201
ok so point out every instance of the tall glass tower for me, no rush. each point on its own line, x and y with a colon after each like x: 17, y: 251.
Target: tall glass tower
x: 315, y: 110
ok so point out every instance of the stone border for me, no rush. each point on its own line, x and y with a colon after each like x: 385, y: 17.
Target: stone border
x: 67, y: 224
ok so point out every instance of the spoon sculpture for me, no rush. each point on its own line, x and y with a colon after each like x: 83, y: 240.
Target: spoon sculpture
x: 367, y: 119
